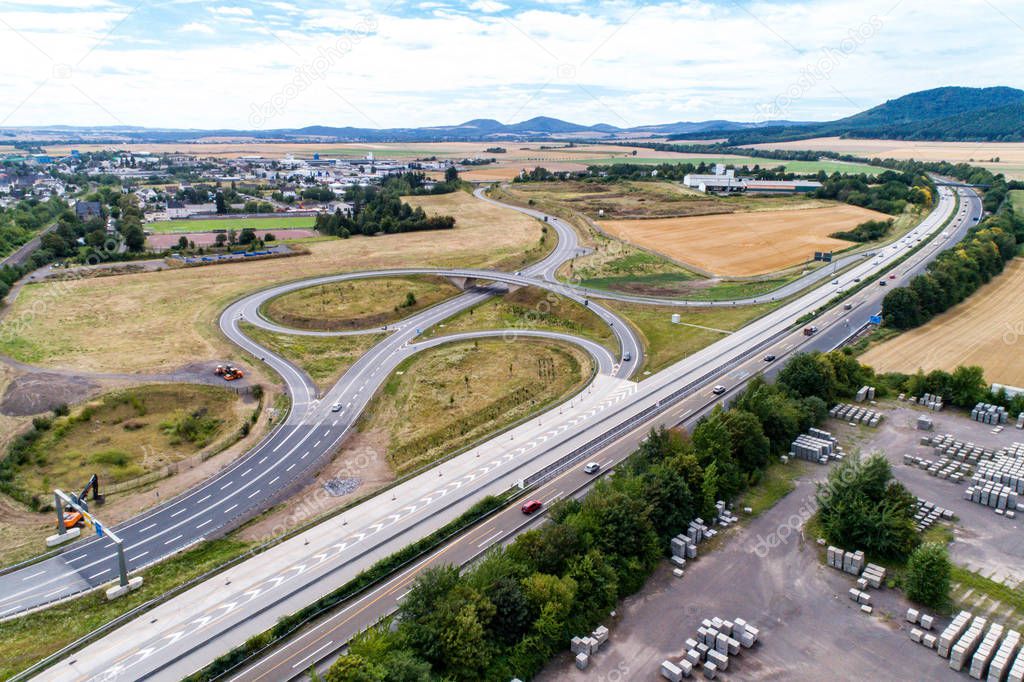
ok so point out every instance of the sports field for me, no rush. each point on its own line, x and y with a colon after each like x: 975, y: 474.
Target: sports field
x: 985, y: 330
x: 744, y: 244
x: 206, y: 225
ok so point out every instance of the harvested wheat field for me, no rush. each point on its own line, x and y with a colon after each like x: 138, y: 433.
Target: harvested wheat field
x: 744, y: 244
x: 985, y: 330
x: 157, y: 321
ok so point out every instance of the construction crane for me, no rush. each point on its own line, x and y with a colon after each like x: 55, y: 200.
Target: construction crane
x: 72, y: 517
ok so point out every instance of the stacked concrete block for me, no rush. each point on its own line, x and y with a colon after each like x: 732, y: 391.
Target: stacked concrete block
x: 671, y: 671
x: 931, y: 401
x: 686, y: 667
x: 986, y: 652
x: 987, y: 413
x: 718, y: 659
x: 874, y: 574
x: 916, y: 635
x: 953, y: 632
x: 855, y: 414
x: 862, y: 394
x: 1005, y: 467
x: 991, y: 494
x: 693, y: 657
x: 1020, y: 420
x: 927, y: 621
x: 582, y: 661
x: 929, y: 641
x: 710, y: 671
x: 912, y: 615
x: 1003, y: 660
x: 848, y: 562
x: 600, y: 634
x: 928, y: 514
x: 961, y: 653
x: 925, y: 423
x: 816, y: 446
x: 1016, y: 670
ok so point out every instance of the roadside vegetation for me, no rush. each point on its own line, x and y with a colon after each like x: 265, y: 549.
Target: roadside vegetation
x: 357, y: 304
x: 324, y: 358
x: 666, y: 342
x: 530, y: 308
x: 120, y: 436
x: 448, y: 397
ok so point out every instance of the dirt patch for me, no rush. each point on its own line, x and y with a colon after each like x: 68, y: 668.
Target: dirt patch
x: 36, y: 393
x: 362, y: 459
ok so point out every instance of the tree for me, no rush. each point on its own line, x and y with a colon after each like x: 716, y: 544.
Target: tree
x: 182, y: 242
x: 247, y: 236
x: 451, y: 174
x: 901, y: 309
x: 967, y: 386
x: 810, y: 374
x: 220, y: 239
x: 222, y: 206
x: 354, y: 668
x: 927, y: 577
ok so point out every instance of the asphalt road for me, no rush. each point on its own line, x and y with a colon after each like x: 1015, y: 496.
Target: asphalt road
x: 210, y: 618
x: 287, y: 459
x: 319, y: 643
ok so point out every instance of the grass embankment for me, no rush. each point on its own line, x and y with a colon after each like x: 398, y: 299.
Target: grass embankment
x: 451, y: 396
x: 776, y: 482
x: 33, y: 637
x: 531, y: 308
x: 666, y: 342
x: 201, y: 225
x: 123, y: 435
x: 324, y: 358
x: 357, y: 304
x: 157, y: 321
x: 1017, y: 201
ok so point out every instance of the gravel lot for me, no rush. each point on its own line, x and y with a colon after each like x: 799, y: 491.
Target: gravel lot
x: 810, y: 630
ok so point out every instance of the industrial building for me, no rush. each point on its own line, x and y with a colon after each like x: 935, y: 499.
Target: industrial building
x: 724, y: 181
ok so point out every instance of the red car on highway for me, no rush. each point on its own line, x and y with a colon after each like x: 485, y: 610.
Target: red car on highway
x: 532, y: 506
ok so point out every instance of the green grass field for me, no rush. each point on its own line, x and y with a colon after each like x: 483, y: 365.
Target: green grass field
x: 173, y: 226
x: 1017, y: 200
x: 792, y: 166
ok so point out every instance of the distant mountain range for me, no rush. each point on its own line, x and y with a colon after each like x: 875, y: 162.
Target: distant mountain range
x: 480, y: 129
x: 950, y: 113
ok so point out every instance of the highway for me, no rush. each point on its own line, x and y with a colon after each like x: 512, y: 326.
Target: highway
x: 192, y: 629
x: 319, y: 642
x: 286, y: 459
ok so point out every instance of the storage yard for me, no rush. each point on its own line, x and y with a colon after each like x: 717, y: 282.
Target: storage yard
x: 986, y: 330
x: 744, y: 244
x: 811, y: 603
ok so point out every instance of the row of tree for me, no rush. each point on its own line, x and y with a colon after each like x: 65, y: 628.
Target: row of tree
x: 379, y: 209
x: 867, y: 231
x: 957, y: 273
x: 519, y: 606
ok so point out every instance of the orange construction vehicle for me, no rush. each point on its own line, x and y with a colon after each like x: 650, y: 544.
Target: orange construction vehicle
x: 72, y: 517
x: 229, y: 372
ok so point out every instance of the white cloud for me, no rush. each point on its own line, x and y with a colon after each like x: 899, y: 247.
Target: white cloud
x: 284, y: 7
x: 226, y: 11
x: 488, y: 6
x: 196, y: 27
x: 620, y: 63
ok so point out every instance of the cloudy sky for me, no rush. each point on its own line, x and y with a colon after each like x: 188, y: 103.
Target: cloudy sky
x: 185, y: 64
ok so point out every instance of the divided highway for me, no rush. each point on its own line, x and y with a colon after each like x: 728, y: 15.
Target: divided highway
x: 190, y: 630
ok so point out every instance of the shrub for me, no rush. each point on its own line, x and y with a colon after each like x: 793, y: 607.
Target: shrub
x: 926, y: 580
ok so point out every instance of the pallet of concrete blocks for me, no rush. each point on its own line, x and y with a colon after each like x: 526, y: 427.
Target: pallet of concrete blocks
x: 745, y: 633
x: 991, y: 494
x: 675, y: 672
x: 811, y: 449
x: 925, y: 423
x: 961, y: 653
x: 865, y: 393
x: 1003, y: 660
x: 1007, y: 468
x: 986, y: 413
x: 1020, y: 420
x: 986, y: 651
x: 956, y: 628
x: 874, y: 574
x: 931, y: 401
